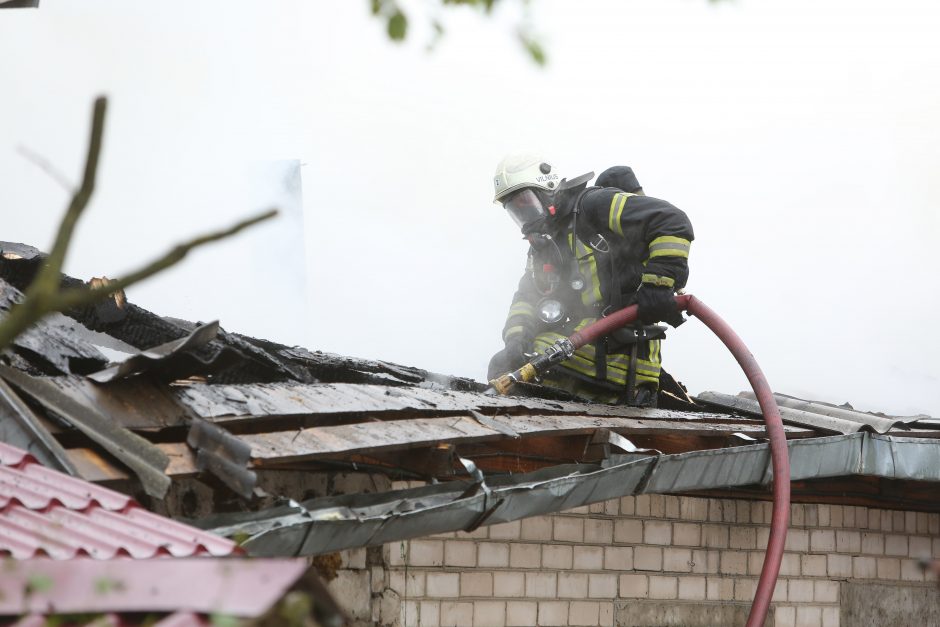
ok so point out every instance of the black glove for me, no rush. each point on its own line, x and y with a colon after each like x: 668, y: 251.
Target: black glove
x: 509, y: 359
x: 657, y: 302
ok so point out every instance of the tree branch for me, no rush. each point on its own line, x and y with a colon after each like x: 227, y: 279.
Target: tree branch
x: 44, y: 295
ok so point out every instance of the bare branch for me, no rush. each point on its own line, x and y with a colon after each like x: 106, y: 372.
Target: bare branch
x: 81, y: 296
x: 45, y: 296
x: 47, y: 279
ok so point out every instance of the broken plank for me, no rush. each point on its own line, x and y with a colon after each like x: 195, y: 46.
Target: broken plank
x: 402, y: 434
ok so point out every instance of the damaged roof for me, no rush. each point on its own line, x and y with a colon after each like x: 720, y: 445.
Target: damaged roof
x: 189, y: 398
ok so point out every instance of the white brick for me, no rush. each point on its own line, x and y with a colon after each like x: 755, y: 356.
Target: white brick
x: 584, y: 613
x: 628, y: 506
x: 687, y: 534
x: 800, y: 590
x: 911, y: 570
x: 443, y: 585
x: 797, y: 540
x: 618, y: 558
x: 509, y: 584
x: 889, y: 568
x: 813, y: 565
x: 536, y: 528
x: 572, y: 585
x: 744, y: 589
x: 521, y: 613
x: 506, y: 531
x: 557, y: 556
x: 830, y: 617
x: 785, y: 616
x: 628, y: 531
x: 602, y: 586
x: 671, y: 504
x: 692, y: 588
x: 598, y: 531
x: 693, y: 508
x: 553, y: 613
x: 641, y: 505
x: 719, y: 588
x: 733, y: 562
x: 918, y: 547
x: 647, y: 558
x: 743, y: 538
x: 426, y: 553
x: 568, y: 529
x: 657, y: 532
x: 456, y: 614
x: 541, y: 585
x: 839, y: 566
x: 895, y: 545
x: 715, y: 536
x: 588, y: 558
x: 826, y: 591
x: 873, y: 544
x: 864, y: 567
x: 848, y: 541
x: 634, y: 586
x: 429, y: 613
x: 808, y: 616
x: 677, y: 560
x: 525, y: 555
x: 476, y: 584
x: 492, y: 554
x: 664, y: 587
x: 457, y: 553
x: 488, y: 613
x: 657, y: 506
x: 705, y: 562
x: 822, y: 540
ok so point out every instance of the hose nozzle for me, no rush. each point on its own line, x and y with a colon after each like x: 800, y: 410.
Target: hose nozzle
x: 505, y: 382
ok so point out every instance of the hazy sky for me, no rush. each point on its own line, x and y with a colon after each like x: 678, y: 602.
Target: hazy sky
x: 800, y: 136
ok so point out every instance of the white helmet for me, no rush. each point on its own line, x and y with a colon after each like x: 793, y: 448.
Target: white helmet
x: 524, y: 170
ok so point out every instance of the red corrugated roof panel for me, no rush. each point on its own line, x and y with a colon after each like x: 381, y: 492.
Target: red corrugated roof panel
x: 44, y: 512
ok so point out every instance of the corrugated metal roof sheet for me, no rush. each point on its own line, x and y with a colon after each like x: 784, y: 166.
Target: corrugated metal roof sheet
x: 45, y: 512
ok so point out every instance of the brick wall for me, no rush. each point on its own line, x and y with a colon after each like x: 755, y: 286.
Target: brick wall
x: 591, y: 565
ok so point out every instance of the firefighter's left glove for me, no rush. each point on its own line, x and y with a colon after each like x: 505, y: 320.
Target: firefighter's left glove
x: 509, y: 359
x: 658, y: 303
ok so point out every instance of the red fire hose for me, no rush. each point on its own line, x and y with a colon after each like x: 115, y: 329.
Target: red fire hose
x: 778, y: 443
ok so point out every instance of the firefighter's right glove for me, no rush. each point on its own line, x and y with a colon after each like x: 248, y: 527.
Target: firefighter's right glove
x: 509, y: 359
x: 657, y: 303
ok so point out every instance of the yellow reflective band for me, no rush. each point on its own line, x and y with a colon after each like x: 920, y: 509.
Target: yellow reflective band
x: 669, y: 246
x: 617, y: 203
x: 655, y: 348
x: 587, y: 265
x: 508, y: 333
x: 521, y: 309
x: 655, y: 279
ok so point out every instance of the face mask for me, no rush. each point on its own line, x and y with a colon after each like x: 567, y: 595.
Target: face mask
x: 526, y: 208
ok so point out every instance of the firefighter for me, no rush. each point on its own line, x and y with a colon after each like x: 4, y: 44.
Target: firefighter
x: 593, y: 250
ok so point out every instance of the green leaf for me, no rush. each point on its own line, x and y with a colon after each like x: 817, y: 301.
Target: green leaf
x: 397, y: 26
x: 37, y: 584
x: 535, y: 50
x: 376, y: 6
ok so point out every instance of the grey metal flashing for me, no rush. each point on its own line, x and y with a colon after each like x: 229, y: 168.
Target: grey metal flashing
x: 146, y: 460
x: 173, y: 358
x: 21, y: 427
x: 813, y: 415
x: 335, y: 523
x: 902, y: 458
x: 224, y: 455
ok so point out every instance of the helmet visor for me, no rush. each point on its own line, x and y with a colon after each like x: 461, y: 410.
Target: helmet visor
x: 524, y: 207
